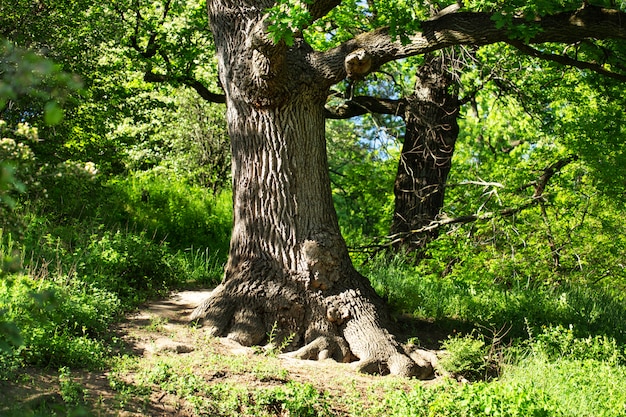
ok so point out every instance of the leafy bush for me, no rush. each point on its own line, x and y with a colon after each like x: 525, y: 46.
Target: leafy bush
x: 465, y: 356
x: 61, y: 324
x: 556, y: 342
x: 71, y: 392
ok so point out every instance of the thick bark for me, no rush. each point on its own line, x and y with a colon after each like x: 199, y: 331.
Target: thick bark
x: 430, y: 115
x: 288, y: 265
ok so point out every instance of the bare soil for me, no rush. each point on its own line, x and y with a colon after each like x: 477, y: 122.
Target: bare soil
x: 160, y: 331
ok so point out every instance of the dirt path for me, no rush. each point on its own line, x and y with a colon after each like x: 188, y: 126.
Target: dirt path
x: 159, y: 336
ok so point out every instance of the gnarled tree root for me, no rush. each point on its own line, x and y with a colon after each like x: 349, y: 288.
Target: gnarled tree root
x: 345, y: 326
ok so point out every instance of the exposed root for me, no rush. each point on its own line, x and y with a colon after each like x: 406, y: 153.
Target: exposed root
x: 397, y: 364
x: 345, y: 326
x: 324, y: 348
x: 337, y: 348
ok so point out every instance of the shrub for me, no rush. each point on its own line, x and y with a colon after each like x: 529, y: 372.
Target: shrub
x: 465, y: 356
x: 61, y: 324
x: 555, y: 342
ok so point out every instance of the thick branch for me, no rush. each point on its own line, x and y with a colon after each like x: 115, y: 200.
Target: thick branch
x: 321, y: 8
x: 472, y: 28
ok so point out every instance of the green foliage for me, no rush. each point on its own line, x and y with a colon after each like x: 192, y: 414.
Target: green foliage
x: 364, y: 205
x: 25, y: 74
x: 191, y: 142
x: 131, y: 265
x: 557, y: 342
x: 171, y: 207
x: 465, y: 356
x: 583, y: 376
x: 495, y: 399
x: 460, y: 294
x: 296, y: 399
x: 115, y: 207
x: 287, y: 18
x: 277, y: 341
x: 448, y: 398
x: 60, y: 324
x: 16, y: 170
x: 349, y: 18
x: 72, y: 392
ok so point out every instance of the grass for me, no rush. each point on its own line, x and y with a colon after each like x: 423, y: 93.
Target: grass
x: 577, y: 388
x: 551, y: 373
x: 463, y: 303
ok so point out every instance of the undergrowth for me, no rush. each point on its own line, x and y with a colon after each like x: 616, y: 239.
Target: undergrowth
x: 461, y: 302
x: 76, y: 265
x: 83, y: 257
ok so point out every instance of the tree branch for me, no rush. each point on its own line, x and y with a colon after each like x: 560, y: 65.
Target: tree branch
x: 200, y: 88
x: 537, y: 198
x: 321, y: 8
x: 549, y: 172
x: 361, y: 105
x: 472, y: 28
x: 565, y: 60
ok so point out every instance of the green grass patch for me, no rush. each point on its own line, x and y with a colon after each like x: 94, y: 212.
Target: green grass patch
x: 466, y: 302
x: 61, y: 324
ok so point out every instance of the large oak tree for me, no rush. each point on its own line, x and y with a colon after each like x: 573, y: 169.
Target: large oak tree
x: 288, y: 265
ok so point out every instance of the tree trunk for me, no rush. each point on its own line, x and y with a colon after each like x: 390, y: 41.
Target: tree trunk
x: 288, y: 266
x: 430, y: 115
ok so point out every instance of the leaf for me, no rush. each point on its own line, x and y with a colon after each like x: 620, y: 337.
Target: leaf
x: 9, y: 335
x: 53, y: 113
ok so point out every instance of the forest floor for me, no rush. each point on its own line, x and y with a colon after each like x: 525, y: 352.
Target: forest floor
x: 168, y: 367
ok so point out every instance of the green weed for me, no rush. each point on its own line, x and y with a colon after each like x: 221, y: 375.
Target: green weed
x: 61, y: 324
x: 72, y: 392
x: 465, y: 356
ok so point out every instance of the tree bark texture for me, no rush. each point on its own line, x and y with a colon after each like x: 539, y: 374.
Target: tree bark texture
x: 288, y: 266
x: 430, y: 115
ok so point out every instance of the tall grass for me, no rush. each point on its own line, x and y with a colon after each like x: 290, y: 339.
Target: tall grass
x: 426, y: 294
x: 183, y: 214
